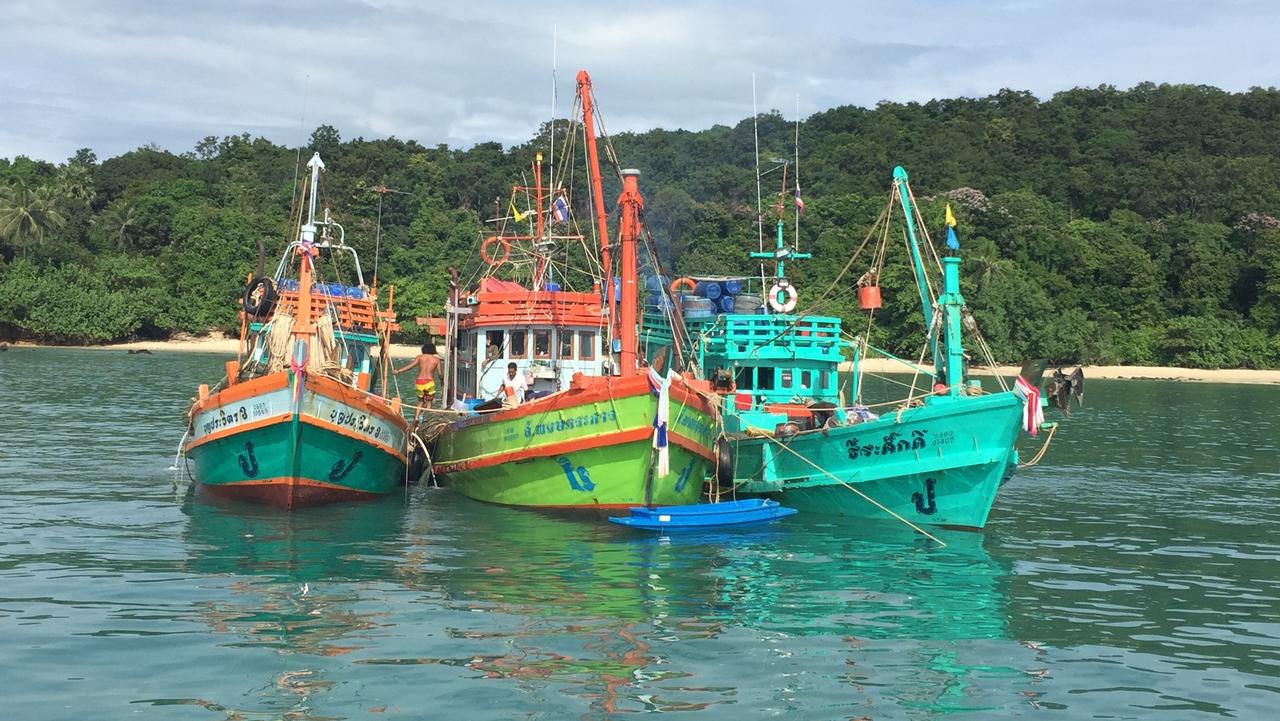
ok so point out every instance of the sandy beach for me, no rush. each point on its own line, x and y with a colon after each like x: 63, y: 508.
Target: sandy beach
x: 212, y: 343
x: 216, y: 343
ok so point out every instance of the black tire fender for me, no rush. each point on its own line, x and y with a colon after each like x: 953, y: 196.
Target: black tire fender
x: 259, y: 296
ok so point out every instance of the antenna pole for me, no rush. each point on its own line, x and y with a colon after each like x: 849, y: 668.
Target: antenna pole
x: 551, y: 141
x: 755, y: 128
x: 797, y: 147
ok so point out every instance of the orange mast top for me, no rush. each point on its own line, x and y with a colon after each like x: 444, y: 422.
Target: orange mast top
x: 597, y: 191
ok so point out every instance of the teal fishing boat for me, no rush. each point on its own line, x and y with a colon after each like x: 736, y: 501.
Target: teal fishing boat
x: 935, y: 457
x: 296, y: 420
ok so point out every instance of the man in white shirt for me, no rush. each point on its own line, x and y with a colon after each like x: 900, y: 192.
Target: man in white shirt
x: 514, y: 387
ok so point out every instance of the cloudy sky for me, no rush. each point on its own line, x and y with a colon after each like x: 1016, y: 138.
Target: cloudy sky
x: 112, y: 75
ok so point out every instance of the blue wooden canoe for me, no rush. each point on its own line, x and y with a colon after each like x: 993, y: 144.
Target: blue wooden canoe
x: 704, y: 515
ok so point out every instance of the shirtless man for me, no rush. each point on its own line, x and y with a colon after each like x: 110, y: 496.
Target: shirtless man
x: 428, y: 365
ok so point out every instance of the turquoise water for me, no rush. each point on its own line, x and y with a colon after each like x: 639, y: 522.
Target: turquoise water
x: 1133, y: 576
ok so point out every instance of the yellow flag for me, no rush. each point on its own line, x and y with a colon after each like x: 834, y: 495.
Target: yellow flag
x: 951, y: 219
x: 518, y: 215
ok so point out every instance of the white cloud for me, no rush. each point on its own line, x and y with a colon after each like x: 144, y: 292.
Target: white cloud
x: 115, y: 75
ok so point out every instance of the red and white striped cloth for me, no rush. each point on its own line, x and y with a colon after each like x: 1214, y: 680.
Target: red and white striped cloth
x: 1032, y: 413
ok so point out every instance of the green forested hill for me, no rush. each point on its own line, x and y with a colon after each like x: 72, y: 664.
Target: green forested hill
x: 1105, y: 225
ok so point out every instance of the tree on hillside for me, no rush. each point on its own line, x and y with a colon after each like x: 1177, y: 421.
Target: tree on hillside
x: 27, y: 215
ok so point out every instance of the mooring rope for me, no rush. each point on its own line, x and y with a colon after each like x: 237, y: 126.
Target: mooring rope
x: 1043, y: 448
x: 865, y: 497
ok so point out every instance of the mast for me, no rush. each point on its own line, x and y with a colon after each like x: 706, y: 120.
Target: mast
x: 540, y: 269
x: 597, y: 191
x: 631, y: 203
x: 781, y: 251
x: 302, y: 326
x: 926, y: 304
x: 951, y: 302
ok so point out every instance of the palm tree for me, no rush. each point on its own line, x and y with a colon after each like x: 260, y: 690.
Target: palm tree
x: 986, y: 266
x: 76, y: 182
x: 26, y: 215
x: 119, y: 219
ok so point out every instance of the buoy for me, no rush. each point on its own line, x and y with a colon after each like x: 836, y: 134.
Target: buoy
x: 487, y: 257
x: 869, y: 297
x: 683, y: 285
x: 782, y: 287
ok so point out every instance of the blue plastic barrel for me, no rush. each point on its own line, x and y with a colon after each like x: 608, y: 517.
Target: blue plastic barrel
x: 733, y: 286
x: 726, y: 304
x: 355, y: 292
x: 553, y: 287
x: 708, y: 289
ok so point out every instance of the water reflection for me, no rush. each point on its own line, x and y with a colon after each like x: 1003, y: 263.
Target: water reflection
x: 293, y: 588
x: 623, y: 621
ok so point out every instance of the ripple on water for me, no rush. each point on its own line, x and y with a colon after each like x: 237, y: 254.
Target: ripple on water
x: 1132, y: 575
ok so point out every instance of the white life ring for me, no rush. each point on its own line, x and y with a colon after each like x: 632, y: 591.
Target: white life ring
x: 782, y: 286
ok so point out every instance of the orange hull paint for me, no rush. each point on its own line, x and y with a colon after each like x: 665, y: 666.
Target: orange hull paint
x: 288, y: 493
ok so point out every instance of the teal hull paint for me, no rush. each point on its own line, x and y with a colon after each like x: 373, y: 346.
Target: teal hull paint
x: 940, y: 464
x: 295, y: 450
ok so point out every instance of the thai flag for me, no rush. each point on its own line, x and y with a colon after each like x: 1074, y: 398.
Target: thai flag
x: 560, y: 210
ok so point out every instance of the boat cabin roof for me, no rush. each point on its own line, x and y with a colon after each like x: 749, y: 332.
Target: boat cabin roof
x: 509, y: 304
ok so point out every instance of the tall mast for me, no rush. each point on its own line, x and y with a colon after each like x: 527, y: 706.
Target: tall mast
x: 631, y: 203
x: 926, y: 303
x: 597, y: 189
x: 797, y: 164
x: 302, y: 325
x: 755, y: 131
x: 540, y: 269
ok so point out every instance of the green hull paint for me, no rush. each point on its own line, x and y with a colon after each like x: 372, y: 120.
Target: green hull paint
x: 291, y: 449
x: 607, y: 476
x: 613, y: 474
x: 940, y: 463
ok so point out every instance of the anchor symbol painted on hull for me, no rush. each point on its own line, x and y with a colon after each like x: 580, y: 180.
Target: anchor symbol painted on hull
x: 583, y: 480
x: 337, y: 473
x: 250, y: 466
x: 932, y: 506
x: 683, y: 479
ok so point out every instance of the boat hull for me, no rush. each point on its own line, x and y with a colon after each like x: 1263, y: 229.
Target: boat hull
x: 281, y: 446
x: 589, y: 447
x: 939, y: 464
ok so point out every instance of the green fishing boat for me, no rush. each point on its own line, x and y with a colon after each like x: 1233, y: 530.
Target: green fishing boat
x: 936, y: 456
x: 562, y: 408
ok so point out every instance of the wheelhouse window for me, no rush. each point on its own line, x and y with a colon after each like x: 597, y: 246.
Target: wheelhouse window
x: 746, y: 379
x: 566, y: 345
x: 765, y: 379
x: 587, y: 344
x: 542, y: 344
x: 519, y: 344
x: 493, y: 345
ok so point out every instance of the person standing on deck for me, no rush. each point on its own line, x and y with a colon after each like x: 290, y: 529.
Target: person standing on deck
x: 428, y: 365
x: 514, y: 387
